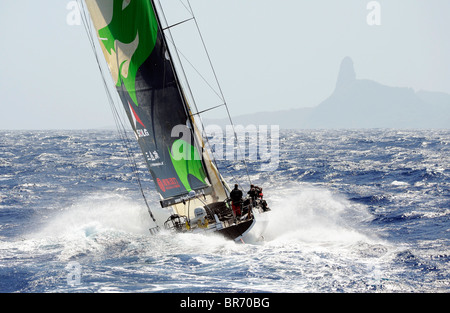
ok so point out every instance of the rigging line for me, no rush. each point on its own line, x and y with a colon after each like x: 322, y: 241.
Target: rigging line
x: 204, y: 134
x: 220, y: 96
x: 177, y: 78
x: 220, y: 89
x: 118, y: 121
x: 130, y: 155
x: 221, y: 92
x: 176, y: 24
x: 180, y: 52
x: 129, y: 152
x: 187, y: 9
x: 177, y: 54
x: 199, y: 143
x: 116, y: 115
x: 206, y: 110
x: 206, y: 51
x: 195, y: 69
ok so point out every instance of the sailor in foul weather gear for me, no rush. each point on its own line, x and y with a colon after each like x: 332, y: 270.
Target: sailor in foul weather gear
x: 236, y: 200
x: 252, y: 194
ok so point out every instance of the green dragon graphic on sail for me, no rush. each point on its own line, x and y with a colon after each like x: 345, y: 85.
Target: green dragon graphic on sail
x: 187, y: 162
x: 131, y: 45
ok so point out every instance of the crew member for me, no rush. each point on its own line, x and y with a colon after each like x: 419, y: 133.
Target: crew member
x: 236, y: 200
x: 259, y: 193
x: 253, y: 194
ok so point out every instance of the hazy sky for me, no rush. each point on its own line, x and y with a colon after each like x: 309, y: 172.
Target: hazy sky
x: 269, y: 55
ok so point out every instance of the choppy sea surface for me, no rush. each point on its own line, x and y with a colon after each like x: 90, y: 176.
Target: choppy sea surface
x: 352, y: 211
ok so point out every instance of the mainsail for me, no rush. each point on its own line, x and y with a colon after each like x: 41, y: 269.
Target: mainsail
x: 134, y: 46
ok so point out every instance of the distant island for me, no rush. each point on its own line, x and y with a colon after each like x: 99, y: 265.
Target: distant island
x: 360, y: 103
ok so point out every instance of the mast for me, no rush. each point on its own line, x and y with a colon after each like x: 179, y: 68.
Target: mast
x: 213, y: 174
x: 168, y: 28
x: 187, y: 108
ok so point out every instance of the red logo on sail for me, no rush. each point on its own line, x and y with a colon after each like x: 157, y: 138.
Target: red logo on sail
x: 136, y: 118
x: 167, y: 183
x: 161, y: 185
x: 139, y: 132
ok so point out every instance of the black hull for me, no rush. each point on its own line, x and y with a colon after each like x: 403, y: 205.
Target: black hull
x: 235, y: 232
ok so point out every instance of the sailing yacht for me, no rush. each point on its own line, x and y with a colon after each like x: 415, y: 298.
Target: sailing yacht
x: 128, y: 36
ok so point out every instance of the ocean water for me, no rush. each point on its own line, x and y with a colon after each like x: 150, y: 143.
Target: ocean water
x: 352, y: 211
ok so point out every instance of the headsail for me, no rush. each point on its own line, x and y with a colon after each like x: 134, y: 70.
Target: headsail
x: 133, y: 44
